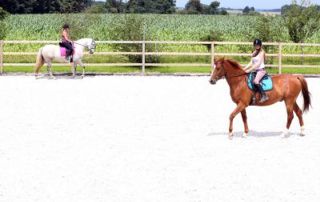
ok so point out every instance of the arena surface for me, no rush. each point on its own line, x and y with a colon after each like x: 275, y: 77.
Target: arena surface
x: 132, y: 138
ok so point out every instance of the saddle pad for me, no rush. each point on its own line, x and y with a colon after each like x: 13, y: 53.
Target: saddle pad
x: 63, y: 51
x: 266, y: 82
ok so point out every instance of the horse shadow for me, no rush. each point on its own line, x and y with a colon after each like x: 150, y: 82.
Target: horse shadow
x: 64, y: 76
x: 257, y: 134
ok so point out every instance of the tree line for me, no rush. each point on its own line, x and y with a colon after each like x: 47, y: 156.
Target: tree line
x: 110, y: 6
x: 45, y: 6
x: 159, y: 6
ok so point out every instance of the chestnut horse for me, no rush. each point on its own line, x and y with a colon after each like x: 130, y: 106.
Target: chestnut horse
x: 285, y: 88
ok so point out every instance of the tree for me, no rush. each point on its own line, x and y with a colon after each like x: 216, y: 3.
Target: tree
x: 128, y: 28
x: 75, y: 6
x: 9, y: 5
x: 213, y: 8
x: 17, y: 6
x: 249, y: 11
x: 47, y: 6
x: 302, y: 21
x: 284, y: 9
x: 115, y: 6
x: 3, y: 30
x: 96, y: 8
x: 246, y: 10
x: 44, y: 6
x: 164, y: 6
x: 223, y: 12
x: 151, y: 6
x: 213, y: 35
x: 3, y: 14
x: 194, y: 7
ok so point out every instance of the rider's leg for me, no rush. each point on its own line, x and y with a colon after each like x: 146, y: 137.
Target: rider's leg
x: 256, y: 81
x: 69, y: 49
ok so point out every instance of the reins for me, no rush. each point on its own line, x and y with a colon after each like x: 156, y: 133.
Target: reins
x: 235, y: 75
x: 80, y: 44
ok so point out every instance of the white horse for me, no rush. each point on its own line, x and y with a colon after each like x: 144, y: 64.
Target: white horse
x: 50, y: 53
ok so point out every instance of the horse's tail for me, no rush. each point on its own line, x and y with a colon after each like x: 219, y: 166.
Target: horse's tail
x: 305, y: 94
x: 39, y: 61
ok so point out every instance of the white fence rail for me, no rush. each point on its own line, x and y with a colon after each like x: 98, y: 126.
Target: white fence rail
x: 144, y: 53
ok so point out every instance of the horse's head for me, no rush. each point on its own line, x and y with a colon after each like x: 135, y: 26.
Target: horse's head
x: 88, y: 43
x: 218, y: 71
x: 92, y: 46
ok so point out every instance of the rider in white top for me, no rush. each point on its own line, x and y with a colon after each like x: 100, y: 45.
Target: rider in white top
x: 257, y: 65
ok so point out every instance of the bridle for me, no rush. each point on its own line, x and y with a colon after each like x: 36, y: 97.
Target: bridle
x: 231, y: 76
x: 87, y: 46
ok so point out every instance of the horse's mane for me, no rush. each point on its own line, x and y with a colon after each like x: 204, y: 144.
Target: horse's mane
x: 233, y: 63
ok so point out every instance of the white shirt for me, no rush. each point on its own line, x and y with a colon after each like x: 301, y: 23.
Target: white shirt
x: 257, y: 60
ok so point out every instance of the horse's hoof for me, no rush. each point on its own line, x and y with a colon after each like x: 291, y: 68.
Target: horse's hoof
x: 230, y: 135
x: 285, y: 133
x: 245, y: 135
x: 38, y: 77
x: 302, y: 133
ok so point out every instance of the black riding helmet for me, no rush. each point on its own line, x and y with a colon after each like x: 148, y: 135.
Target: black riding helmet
x: 257, y: 42
x: 66, y: 26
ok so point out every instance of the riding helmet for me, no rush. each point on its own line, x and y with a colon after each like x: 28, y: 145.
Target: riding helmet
x: 257, y: 42
x: 66, y: 26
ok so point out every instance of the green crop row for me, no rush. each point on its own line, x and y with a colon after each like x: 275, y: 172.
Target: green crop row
x: 105, y: 27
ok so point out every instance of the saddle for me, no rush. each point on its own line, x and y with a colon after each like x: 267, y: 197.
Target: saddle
x: 266, y: 82
x: 65, y: 52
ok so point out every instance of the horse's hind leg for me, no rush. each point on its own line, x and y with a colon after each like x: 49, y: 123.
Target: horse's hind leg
x: 83, y: 68
x: 74, y: 69
x: 298, y: 112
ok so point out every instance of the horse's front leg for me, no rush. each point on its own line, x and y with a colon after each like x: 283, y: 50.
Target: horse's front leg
x: 83, y: 68
x: 49, y: 68
x: 240, y: 107
x: 245, y: 123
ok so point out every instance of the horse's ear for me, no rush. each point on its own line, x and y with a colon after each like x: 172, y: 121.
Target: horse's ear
x: 218, y: 59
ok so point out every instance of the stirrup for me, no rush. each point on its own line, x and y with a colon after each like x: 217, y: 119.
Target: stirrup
x: 263, y: 99
x: 253, y: 100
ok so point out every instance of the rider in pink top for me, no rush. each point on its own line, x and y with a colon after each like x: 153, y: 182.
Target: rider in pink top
x: 257, y: 65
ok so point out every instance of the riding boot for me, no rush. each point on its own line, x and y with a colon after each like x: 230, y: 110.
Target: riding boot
x: 264, y: 96
x: 69, y: 56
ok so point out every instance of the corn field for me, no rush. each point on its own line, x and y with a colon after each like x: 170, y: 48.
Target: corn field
x: 148, y: 27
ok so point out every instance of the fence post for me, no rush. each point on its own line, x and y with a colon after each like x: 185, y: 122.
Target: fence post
x: 212, y: 54
x: 280, y: 58
x: 1, y: 56
x: 143, y: 57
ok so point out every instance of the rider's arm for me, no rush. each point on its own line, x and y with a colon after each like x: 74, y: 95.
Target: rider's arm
x: 248, y: 68
x: 66, y: 35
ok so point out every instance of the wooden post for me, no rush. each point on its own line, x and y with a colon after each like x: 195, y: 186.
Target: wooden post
x: 212, y: 54
x: 1, y: 56
x: 280, y: 58
x: 143, y: 57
